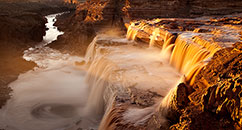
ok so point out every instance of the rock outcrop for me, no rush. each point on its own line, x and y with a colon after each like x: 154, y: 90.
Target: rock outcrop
x: 90, y: 18
x: 78, y: 35
x: 212, y: 98
x: 216, y: 100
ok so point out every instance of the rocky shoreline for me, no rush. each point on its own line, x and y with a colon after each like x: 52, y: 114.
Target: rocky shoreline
x: 22, y: 25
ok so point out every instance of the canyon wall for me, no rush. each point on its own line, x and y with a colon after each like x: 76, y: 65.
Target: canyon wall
x: 180, y: 8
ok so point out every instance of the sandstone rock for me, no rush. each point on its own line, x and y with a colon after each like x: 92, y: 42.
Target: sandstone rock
x: 216, y: 104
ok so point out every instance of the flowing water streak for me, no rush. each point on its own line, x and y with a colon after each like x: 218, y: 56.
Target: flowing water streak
x: 154, y: 36
x: 52, y: 33
x: 133, y: 30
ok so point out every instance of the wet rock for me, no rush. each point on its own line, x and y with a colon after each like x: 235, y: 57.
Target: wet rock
x: 114, y: 117
x: 141, y: 98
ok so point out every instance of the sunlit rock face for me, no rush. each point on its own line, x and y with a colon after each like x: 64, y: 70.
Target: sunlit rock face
x: 103, y: 12
x: 208, y: 52
x: 143, y: 9
x: 216, y: 100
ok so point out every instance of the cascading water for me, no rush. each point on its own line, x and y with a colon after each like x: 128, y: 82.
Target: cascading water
x: 117, y: 65
x: 186, y: 55
x: 58, y: 94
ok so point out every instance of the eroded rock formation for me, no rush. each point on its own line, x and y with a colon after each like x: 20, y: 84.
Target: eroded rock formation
x: 211, y: 100
x: 216, y: 100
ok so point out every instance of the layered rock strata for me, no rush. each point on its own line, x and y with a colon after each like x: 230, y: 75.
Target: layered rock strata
x: 180, y: 8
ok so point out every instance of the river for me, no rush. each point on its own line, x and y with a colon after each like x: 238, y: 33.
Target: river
x: 42, y: 98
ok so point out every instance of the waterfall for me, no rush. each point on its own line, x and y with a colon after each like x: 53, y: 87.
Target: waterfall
x: 187, y: 53
x: 115, y: 65
x: 132, y: 30
x: 102, y: 81
x: 104, y: 92
x: 154, y: 36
